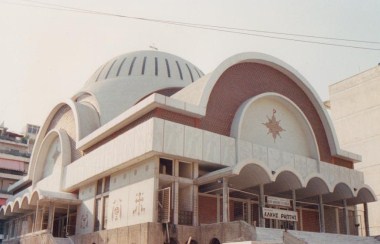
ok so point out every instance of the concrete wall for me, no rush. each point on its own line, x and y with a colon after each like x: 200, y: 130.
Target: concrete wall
x: 154, y: 233
x: 355, y: 110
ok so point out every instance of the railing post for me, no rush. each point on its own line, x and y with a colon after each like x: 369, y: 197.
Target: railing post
x: 321, y: 214
x: 366, y: 222
x: 346, y: 220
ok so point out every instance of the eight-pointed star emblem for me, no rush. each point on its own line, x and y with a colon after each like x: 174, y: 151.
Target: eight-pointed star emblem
x: 273, y: 126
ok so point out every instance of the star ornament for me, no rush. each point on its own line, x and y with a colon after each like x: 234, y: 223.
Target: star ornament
x: 273, y: 126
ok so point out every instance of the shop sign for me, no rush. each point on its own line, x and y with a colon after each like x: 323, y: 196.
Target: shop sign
x: 272, y: 213
x: 278, y: 201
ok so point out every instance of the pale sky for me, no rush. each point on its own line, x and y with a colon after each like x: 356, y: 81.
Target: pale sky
x: 47, y: 55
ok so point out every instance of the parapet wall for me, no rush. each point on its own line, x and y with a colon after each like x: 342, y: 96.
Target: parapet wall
x: 155, y: 233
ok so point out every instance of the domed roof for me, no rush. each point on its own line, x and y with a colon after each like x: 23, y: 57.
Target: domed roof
x: 123, y: 81
x: 152, y: 64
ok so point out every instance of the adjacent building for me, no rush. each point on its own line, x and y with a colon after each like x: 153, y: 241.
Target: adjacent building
x: 355, y: 109
x: 151, y: 150
x: 14, y: 160
x: 15, y: 151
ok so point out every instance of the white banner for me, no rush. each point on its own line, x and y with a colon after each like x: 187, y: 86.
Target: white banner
x: 278, y: 201
x: 272, y: 213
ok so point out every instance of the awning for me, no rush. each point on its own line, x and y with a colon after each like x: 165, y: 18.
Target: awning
x: 30, y: 199
x: 332, y: 186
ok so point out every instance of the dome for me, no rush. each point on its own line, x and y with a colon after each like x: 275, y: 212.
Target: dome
x: 149, y: 65
x: 123, y: 81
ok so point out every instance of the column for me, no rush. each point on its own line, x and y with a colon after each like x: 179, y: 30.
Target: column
x: 176, y: 192
x: 345, y: 214
x: 356, y: 221
x: 294, y: 206
x: 175, y: 204
x: 225, y: 200
x: 321, y: 215
x: 249, y: 212
x: 195, y: 197
x: 337, y: 220
x: 261, y: 206
x: 51, y: 217
x: 366, y: 222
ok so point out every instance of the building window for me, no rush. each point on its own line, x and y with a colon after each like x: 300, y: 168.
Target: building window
x: 101, y: 203
x: 166, y: 166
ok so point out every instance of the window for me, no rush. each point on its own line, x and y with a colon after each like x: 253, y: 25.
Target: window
x: 166, y: 166
x: 101, y: 203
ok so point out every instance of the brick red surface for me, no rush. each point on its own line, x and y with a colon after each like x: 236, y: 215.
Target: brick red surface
x: 207, y: 210
x: 237, y: 84
x: 243, y: 81
x: 310, y: 220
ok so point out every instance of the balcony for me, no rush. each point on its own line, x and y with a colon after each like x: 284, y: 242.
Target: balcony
x: 16, y: 153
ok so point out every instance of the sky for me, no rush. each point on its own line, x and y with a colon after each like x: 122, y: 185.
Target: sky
x: 46, y: 55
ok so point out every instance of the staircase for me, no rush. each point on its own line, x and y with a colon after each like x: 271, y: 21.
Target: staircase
x: 269, y: 235
x: 321, y: 238
x: 266, y: 235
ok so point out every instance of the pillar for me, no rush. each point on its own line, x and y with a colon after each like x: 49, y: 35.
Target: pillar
x: 294, y: 206
x: 175, y: 204
x: 337, y: 220
x: 176, y: 193
x: 249, y: 212
x: 366, y: 222
x: 225, y: 200
x: 261, y: 206
x: 195, y: 197
x: 51, y: 217
x: 321, y: 215
x: 345, y: 214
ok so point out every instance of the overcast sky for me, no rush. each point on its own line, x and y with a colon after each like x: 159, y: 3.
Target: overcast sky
x: 47, y: 55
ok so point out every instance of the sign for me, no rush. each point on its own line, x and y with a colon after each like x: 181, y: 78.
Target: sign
x: 272, y: 213
x: 278, y: 201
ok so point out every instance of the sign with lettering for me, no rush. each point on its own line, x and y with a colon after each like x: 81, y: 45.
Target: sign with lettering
x: 272, y: 213
x: 278, y: 201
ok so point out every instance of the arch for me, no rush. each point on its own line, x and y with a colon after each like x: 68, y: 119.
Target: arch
x: 2, y: 212
x: 82, y: 95
x: 8, y: 209
x: 214, y: 241
x: 282, y: 67
x: 35, y: 196
x: 16, y: 206
x: 25, y: 202
x: 364, y: 194
x: 65, y: 154
x: 44, y: 130
x: 295, y: 115
x: 250, y: 173
x: 322, y: 125
x: 344, y: 190
x: 290, y: 177
x: 315, y: 185
x: 341, y: 191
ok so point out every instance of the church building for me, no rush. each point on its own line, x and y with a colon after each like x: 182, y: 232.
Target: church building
x: 152, y: 150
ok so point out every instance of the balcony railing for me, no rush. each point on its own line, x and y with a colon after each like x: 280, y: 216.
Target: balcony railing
x: 16, y: 153
x: 7, y: 138
x: 12, y: 172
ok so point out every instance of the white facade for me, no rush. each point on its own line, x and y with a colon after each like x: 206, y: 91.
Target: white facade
x: 149, y: 139
x: 355, y: 109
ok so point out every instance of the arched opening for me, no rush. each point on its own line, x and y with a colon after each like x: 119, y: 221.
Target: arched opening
x: 214, y: 241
